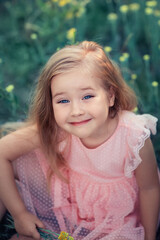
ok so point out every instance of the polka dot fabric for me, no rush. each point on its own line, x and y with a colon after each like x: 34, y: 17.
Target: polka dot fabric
x: 100, y: 200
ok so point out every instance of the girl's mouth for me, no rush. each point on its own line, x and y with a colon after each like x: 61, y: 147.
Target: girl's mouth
x: 80, y: 123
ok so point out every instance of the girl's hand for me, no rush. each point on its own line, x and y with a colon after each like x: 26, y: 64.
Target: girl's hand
x: 26, y: 223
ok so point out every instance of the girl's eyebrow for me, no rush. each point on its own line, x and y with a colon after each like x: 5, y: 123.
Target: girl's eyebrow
x: 83, y: 89
x: 87, y: 88
x: 57, y: 94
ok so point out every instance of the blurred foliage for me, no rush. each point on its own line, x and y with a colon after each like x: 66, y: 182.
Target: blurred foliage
x: 30, y: 31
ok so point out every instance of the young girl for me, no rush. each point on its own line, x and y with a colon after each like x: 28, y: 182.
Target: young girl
x: 84, y: 164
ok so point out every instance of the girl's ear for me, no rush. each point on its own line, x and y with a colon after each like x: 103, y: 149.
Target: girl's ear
x: 111, y: 96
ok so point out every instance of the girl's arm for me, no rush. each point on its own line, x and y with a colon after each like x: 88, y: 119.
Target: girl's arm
x: 149, y: 190
x: 11, y: 147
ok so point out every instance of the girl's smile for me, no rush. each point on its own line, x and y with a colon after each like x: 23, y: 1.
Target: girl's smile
x: 80, y: 122
x: 81, y: 106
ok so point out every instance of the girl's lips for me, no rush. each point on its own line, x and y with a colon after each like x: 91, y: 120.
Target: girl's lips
x: 80, y: 123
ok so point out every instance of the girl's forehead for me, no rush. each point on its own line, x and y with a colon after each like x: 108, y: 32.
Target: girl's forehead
x: 79, y: 78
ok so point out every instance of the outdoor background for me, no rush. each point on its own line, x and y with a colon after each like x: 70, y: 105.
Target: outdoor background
x: 32, y: 30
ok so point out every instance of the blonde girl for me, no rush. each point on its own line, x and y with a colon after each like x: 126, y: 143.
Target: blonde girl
x: 84, y: 163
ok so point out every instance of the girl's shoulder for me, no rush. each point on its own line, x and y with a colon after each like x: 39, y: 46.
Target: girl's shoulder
x: 138, y: 122
x: 138, y: 130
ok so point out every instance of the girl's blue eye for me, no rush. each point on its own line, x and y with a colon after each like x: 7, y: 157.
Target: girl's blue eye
x: 88, y: 96
x: 63, y: 101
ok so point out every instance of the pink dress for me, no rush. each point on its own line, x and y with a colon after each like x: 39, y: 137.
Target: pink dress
x: 100, y: 201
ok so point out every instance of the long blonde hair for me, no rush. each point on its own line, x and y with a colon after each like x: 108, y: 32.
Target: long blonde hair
x: 93, y: 58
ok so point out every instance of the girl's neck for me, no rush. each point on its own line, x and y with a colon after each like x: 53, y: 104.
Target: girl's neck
x: 96, y: 142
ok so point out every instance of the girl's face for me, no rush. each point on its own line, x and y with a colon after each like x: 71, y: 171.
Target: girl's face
x: 81, y: 106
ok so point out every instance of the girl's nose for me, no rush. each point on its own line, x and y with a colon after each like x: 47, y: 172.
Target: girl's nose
x: 77, y: 109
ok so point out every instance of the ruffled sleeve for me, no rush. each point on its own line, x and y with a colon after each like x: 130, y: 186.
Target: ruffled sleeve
x: 140, y: 128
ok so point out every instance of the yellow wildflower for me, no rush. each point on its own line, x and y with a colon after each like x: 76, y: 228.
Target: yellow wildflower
x: 146, y: 57
x: 148, y: 11
x: 33, y: 36
x: 63, y: 236
x: 69, y: 15
x: 9, y: 88
x: 80, y: 12
x: 159, y: 46
x: 126, y: 55
x: 70, y: 238
x: 124, y: 8
x: 151, y: 3
x: 112, y: 17
x: 135, y: 109
x: 134, y: 76
x: 134, y: 6
x: 54, y: 0
x: 62, y: 3
x: 107, y: 49
x: 155, y: 84
x: 71, y: 33
x: 122, y: 59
